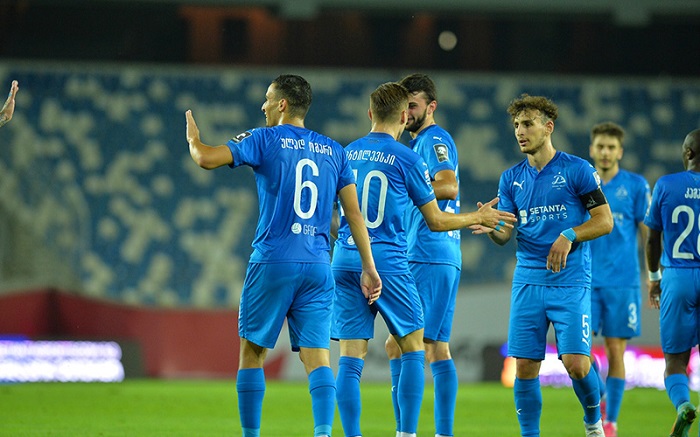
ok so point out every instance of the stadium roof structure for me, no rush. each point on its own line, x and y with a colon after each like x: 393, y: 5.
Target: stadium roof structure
x: 625, y: 12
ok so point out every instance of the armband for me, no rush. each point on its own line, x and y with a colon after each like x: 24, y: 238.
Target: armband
x: 655, y: 276
x: 569, y: 234
x: 593, y: 199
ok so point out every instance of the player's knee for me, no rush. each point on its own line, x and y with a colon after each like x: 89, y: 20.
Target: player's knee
x: 412, y: 342
x: 616, y: 350
x: 392, y: 348
x: 578, y: 368
x: 437, y: 351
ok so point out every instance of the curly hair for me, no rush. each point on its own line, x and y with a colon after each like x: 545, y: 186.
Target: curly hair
x: 525, y: 102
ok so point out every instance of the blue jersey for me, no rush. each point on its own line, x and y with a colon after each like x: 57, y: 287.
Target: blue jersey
x: 439, y: 152
x: 675, y: 211
x: 390, y: 177
x: 616, y: 255
x: 546, y: 203
x: 298, y: 173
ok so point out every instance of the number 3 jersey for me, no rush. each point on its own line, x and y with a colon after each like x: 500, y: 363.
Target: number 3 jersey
x: 675, y: 210
x: 298, y: 173
x: 546, y: 203
x: 390, y: 177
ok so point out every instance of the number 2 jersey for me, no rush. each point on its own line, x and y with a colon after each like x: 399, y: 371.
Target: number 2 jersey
x: 675, y: 211
x: 546, y: 203
x: 298, y: 173
x: 390, y: 177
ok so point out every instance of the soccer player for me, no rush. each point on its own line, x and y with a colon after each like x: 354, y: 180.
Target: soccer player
x: 390, y: 177
x: 560, y: 206
x: 673, y: 242
x: 615, y: 292
x: 434, y: 258
x: 298, y: 174
x: 8, y: 109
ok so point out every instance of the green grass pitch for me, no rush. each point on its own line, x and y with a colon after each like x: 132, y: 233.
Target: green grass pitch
x: 208, y: 408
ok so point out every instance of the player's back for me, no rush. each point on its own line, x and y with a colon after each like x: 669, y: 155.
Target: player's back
x: 298, y: 173
x: 675, y: 210
x: 389, y: 177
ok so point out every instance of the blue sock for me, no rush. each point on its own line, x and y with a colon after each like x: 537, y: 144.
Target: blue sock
x: 588, y: 394
x: 322, y: 389
x: 250, y: 385
x: 395, y: 367
x: 616, y: 389
x: 602, y: 388
x: 411, y: 386
x: 445, y: 386
x: 349, y: 402
x: 677, y: 389
x: 528, y: 405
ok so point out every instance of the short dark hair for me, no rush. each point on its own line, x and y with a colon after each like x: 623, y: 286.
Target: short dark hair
x: 418, y: 82
x: 297, y: 91
x: 547, y: 107
x: 608, y: 128
x: 388, y: 100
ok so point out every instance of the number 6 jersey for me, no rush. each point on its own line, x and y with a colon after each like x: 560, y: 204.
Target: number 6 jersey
x: 298, y: 173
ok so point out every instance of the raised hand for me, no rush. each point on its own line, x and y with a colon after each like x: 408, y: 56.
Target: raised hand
x: 8, y: 108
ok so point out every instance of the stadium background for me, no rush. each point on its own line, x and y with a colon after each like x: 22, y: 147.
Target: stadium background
x: 109, y: 230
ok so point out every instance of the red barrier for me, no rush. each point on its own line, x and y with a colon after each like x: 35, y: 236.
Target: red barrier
x: 175, y: 343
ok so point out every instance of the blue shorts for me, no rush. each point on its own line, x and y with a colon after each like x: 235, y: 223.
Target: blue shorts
x: 437, y: 285
x: 534, y: 307
x: 615, y: 312
x: 300, y: 292
x: 399, y: 306
x: 679, y: 319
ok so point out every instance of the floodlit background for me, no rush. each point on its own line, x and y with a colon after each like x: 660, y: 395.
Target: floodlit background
x: 108, y: 230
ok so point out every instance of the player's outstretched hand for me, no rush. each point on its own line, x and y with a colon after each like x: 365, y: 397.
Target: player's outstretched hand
x: 492, y: 220
x: 192, y: 129
x: 371, y: 285
x: 8, y: 108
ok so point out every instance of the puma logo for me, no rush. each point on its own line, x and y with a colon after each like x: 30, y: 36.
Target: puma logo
x: 519, y: 184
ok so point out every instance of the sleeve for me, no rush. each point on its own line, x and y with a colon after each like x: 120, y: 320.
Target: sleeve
x: 642, y: 199
x: 587, y: 178
x: 441, y: 155
x: 248, y: 148
x: 653, y: 215
x: 345, y: 173
x: 420, y: 190
x: 505, y: 198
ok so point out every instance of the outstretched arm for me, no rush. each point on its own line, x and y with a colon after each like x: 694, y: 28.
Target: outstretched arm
x: 499, y: 238
x: 8, y: 108
x: 208, y: 157
x: 371, y: 283
x: 440, y: 221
